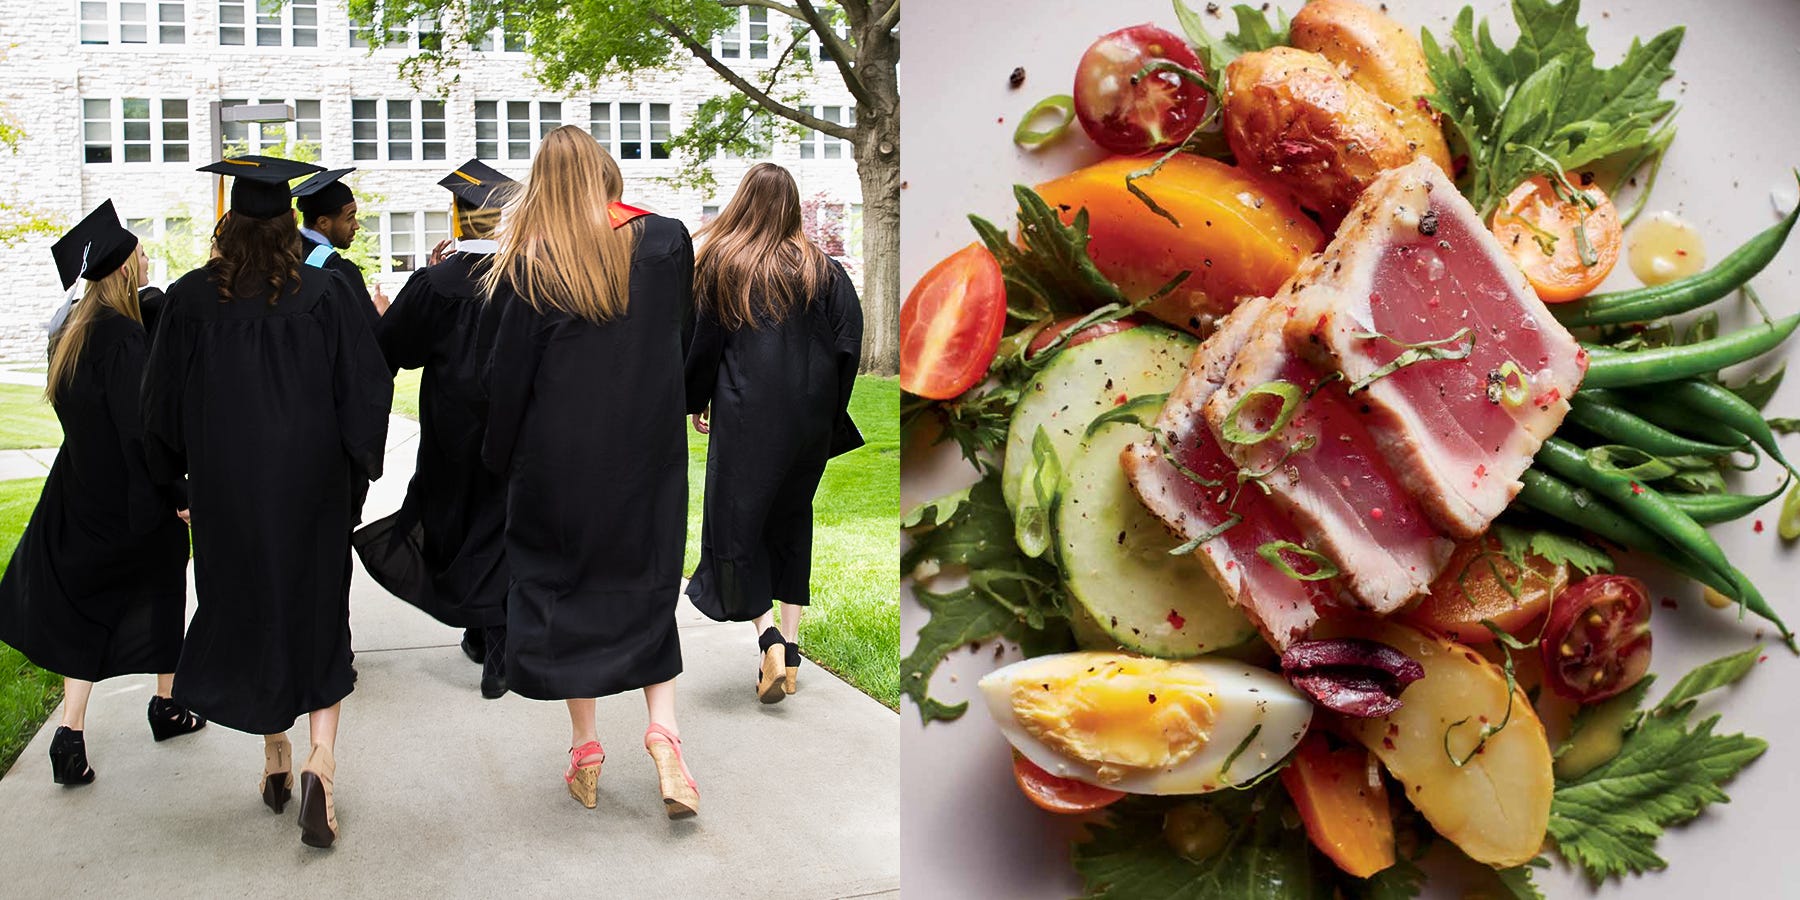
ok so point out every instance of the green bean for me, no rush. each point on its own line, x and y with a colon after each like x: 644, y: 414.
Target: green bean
x: 1556, y: 498
x: 1615, y: 368
x: 1668, y: 416
x: 1618, y: 424
x: 1648, y: 506
x: 1711, y: 509
x: 1706, y: 400
x: 1644, y: 304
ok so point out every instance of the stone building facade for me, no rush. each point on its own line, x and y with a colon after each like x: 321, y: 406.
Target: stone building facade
x: 113, y: 98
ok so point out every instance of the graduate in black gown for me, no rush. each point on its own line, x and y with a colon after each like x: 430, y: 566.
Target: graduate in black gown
x: 442, y: 551
x: 97, y: 585
x: 585, y: 420
x: 266, y: 388
x: 328, y: 224
x: 775, y: 354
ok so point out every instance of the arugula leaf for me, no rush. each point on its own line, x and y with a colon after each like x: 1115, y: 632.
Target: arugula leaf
x: 1254, y: 32
x: 958, y: 619
x: 1759, y: 391
x: 1127, y: 858
x: 1544, y: 95
x: 935, y: 512
x: 1560, y: 549
x: 1401, y: 881
x: 1607, y: 821
x: 1517, y: 880
x: 1052, y: 274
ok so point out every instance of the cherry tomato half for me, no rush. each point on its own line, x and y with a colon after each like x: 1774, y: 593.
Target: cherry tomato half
x: 1479, y: 583
x: 950, y: 326
x: 1131, y: 115
x: 1090, y: 333
x: 1537, y: 228
x: 1059, y: 795
x: 1597, y: 642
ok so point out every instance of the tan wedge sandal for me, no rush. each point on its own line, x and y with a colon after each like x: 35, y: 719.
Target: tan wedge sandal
x: 584, y: 778
x: 681, y: 798
x: 792, y: 682
x: 771, y: 678
x: 318, y: 814
x: 278, y: 771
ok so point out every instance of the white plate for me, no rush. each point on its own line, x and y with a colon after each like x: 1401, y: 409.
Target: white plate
x: 966, y: 830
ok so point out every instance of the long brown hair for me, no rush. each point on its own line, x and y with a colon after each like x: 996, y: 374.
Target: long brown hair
x: 117, y: 292
x: 255, y: 257
x: 755, y: 263
x: 558, y: 248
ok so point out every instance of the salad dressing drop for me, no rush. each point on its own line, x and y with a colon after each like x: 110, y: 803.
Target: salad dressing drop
x: 1665, y: 248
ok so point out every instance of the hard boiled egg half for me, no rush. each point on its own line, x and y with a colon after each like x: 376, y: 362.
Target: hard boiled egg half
x: 1147, y: 726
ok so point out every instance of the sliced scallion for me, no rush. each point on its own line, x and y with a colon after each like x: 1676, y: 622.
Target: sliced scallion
x: 1323, y: 568
x: 1030, y: 138
x: 1234, y: 431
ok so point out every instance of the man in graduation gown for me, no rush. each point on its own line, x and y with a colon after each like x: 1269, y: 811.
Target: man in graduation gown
x: 328, y: 224
x: 443, y: 550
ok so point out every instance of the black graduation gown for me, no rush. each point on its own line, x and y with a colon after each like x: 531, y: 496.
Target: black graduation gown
x: 586, y: 422
x: 97, y: 586
x: 275, y: 414
x: 352, y: 273
x: 780, y: 395
x: 443, y: 551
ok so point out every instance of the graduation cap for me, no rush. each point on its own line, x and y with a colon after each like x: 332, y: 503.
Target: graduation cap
x: 95, y: 248
x: 477, y: 185
x: 260, y: 186
x: 323, y: 194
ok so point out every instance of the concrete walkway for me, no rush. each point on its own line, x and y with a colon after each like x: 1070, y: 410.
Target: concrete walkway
x: 443, y: 794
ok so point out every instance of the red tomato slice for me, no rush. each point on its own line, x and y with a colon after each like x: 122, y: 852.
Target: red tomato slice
x: 1060, y: 795
x: 950, y: 326
x: 1597, y: 642
x: 1090, y: 333
x: 1131, y: 115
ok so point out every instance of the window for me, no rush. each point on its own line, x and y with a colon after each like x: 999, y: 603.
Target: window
x: 505, y: 129
x: 423, y: 33
x: 269, y: 23
x: 397, y: 130
x: 818, y: 144
x: 623, y: 129
x: 810, y: 47
x: 132, y: 21
x: 134, y: 129
x: 748, y: 38
x: 174, y: 230
x: 254, y: 137
x: 508, y: 36
x: 746, y: 129
x: 407, y: 237
x: 708, y: 213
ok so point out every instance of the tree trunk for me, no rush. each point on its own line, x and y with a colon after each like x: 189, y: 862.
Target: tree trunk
x: 877, y: 147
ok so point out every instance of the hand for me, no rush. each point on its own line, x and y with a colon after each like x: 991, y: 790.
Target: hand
x: 701, y: 425
x: 183, y: 515
x: 379, y: 297
x: 443, y: 249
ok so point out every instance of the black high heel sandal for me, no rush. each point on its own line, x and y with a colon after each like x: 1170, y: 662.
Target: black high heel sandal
x: 68, y: 758
x: 169, y: 719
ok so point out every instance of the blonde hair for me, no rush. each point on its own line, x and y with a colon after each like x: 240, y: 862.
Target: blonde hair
x: 117, y: 292
x: 755, y: 263
x: 559, y: 249
x: 480, y: 222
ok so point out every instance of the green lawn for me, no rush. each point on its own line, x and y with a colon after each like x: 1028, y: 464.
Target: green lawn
x: 26, y: 421
x: 853, y: 627
x: 27, y: 693
x: 406, y: 393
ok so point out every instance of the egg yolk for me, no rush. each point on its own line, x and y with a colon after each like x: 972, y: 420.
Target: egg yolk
x: 1116, y: 713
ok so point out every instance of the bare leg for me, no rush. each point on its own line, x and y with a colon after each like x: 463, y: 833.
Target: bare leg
x: 660, y: 701
x: 581, y: 725
x: 790, y: 622
x: 75, y: 701
x: 165, y: 686
x: 323, y: 724
x: 764, y: 622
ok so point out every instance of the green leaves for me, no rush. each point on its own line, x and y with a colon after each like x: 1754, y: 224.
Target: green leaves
x: 1254, y: 32
x: 1544, y: 94
x: 1127, y: 858
x: 1052, y: 274
x: 1606, y: 822
x: 1559, y: 549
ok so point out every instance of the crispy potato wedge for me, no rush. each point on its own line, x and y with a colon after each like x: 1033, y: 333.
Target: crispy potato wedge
x: 1379, y: 55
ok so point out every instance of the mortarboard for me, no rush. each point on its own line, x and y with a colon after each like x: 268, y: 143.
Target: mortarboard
x: 260, y: 183
x: 477, y: 184
x: 95, y: 248
x: 323, y: 194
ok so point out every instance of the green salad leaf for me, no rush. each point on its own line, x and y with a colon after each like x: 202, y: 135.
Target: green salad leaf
x: 1606, y: 821
x: 1544, y: 95
x: 1401, y: 881
x: 1517, y: 880
x: 1263, y: 858
x: 1558, y: 548
x: 1254, y: 32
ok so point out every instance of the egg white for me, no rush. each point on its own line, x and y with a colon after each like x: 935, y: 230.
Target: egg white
x: 1243, y: 696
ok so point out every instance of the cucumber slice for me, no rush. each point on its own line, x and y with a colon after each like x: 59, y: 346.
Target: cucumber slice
x: 1080, y: 383
x: 1115, y: 560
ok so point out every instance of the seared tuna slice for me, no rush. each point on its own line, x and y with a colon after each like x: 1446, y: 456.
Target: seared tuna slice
x: 1413, y: 265
x: 1283, y: 608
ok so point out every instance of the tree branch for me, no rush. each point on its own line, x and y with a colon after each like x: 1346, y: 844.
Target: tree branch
x: 842, y: 54
x: 784, y: 9
x: 761, y: 97
x: 889, y: 17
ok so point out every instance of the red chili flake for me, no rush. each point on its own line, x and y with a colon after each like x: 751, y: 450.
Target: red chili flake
x: 1763, y: 658
x: 1548, y: 397
x: 1374, y: 297
x: 1481, y: 470
x: 1432, y: 301
x: 1388, y: 743
x: 1230, y: 564
x: 1757, y: 526
x: 1636, y: 488
x: 1669, y: 603
x: 1376, y: 514
x: 1120, y: 400
x: 1680, y: 252
x: 1422, y: 104
x: 1175, y: 622
x: 999, y: 120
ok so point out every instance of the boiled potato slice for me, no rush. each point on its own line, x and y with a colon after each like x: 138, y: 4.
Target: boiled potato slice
x: 1379, y: 54
x: 1497, y: 806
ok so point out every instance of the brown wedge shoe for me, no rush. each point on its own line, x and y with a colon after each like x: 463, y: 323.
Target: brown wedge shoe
x: 318, y: 814
x: 771, y: 678
x: 583, y: 776
x: 792, y: 682
x: 278, y: 771
x: 681, y: 798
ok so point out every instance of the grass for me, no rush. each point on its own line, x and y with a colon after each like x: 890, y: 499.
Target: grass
x: 406, y: 393
x: 26, y: 421
x: 853, y: 626
x: 27, y: 693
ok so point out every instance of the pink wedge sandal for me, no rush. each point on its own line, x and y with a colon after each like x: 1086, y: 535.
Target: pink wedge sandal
x: 681, y: 798
x: 584, y: 780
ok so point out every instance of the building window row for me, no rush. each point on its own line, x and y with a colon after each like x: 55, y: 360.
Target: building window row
x: 308, y: 126
x: 132, y: 21
x: 631, y: 130
x: 405, y: 238
x: 511, y: 129
x: 397, y: 130
x: 134, y: 129
x: 818, y: 144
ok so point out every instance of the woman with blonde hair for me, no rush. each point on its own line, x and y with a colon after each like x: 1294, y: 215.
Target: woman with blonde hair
x: 585, y: 422
x: 775, y: 354
x: 97, y: 586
